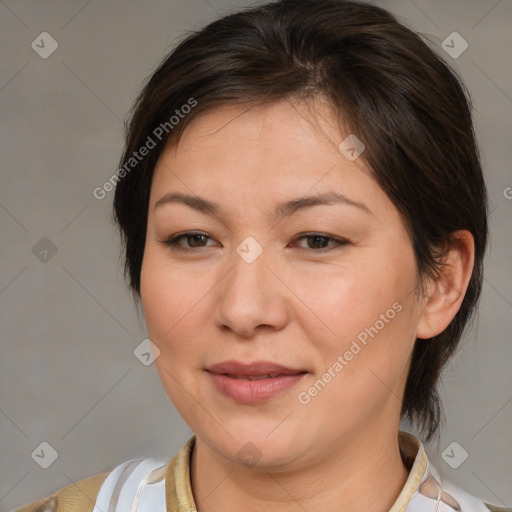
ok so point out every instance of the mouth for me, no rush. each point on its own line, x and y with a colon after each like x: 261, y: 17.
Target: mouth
x: 251, y: 377
x: 254, y: 382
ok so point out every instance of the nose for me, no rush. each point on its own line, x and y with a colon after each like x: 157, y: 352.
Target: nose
x: 250, y: 298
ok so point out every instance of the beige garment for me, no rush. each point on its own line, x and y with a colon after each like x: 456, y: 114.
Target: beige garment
x: 77, y: 497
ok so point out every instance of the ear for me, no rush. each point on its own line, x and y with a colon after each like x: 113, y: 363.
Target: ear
x: 446, y: 292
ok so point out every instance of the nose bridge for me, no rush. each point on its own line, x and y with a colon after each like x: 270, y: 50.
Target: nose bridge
x: 249, y: 296
x: 249, y: 272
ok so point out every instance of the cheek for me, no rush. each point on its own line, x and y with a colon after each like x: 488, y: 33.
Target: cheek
x: 177, y: 308
x: 370, y: 313
x: 349, y: 303
x: 171, y: 303
x: 167, y: 293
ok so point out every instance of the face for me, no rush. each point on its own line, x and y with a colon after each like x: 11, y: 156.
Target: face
x: 278, y: 282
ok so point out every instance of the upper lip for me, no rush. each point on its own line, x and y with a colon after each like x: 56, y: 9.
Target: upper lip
x: 252, y: 369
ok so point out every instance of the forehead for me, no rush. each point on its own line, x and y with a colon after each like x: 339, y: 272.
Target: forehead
x: 269, y: 153
x: 286, y: 124
x: 290, y: 139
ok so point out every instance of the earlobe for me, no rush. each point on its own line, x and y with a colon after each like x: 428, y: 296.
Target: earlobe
x: 446, y: 292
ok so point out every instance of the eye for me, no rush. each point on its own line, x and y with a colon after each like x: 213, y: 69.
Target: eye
x: 320, y: 241
x: 193, y: 240
x: 317, y: 242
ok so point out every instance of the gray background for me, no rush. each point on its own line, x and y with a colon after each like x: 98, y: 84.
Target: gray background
x: 69, y: 328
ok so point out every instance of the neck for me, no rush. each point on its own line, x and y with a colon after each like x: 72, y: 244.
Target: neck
x: 367, y: 473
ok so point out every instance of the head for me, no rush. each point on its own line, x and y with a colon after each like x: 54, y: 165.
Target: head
x: 288, y: 101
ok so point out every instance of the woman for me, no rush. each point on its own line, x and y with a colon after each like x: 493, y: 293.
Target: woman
x: 305, y: 220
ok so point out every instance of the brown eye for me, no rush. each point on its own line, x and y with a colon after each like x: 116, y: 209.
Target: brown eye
x: 196, y: 240
x: 192, y: 241
x: 319, y: 241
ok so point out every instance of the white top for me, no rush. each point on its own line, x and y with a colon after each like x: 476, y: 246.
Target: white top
x: 135, y: 486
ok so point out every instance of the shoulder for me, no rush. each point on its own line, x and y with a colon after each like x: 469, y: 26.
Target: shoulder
x: 121, y: 486
x: 448, y: 497
x: 468, y: 502
x: 427, y: 491
x: 79, y: 496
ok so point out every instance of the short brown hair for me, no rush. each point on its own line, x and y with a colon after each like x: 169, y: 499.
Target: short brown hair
x: 402, y: 100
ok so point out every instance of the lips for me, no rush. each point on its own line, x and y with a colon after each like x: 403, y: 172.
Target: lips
x: 252, y: 371
x: 254, y: 382
x: 251, y: 377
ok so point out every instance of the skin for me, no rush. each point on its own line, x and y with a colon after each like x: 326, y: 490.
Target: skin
x: 296, y: 305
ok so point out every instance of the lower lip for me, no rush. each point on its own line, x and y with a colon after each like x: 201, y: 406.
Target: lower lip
x: 254, y: 391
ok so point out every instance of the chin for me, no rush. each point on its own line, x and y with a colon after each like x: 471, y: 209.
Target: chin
x: 255, y: 448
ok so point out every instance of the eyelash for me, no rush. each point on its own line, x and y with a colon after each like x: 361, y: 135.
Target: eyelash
x: 173, y: 242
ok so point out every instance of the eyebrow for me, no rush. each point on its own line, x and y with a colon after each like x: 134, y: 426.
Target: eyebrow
x: 284, y: 209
